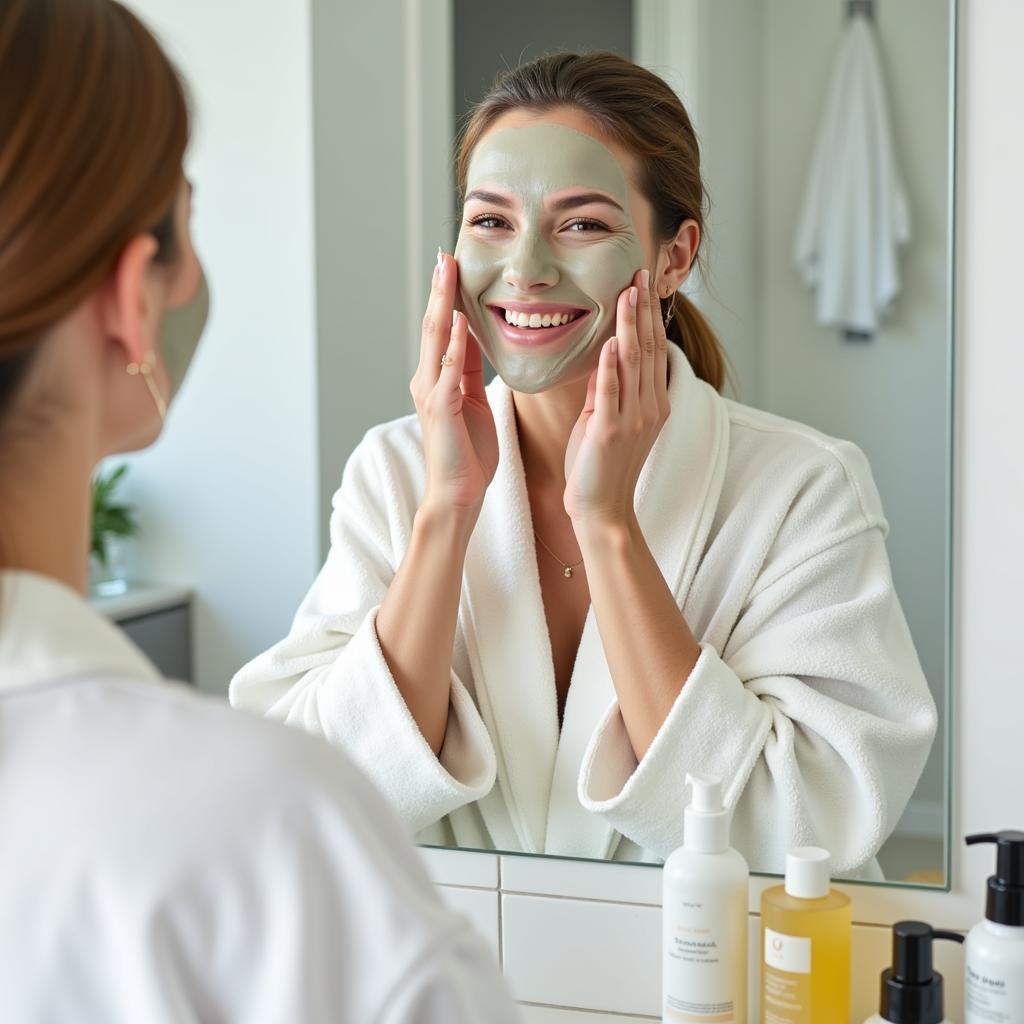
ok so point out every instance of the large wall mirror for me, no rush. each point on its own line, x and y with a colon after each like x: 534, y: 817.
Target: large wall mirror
x: 826, y: 138
x: 759, y: 80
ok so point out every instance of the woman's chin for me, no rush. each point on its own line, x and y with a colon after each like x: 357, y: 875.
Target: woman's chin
x: 529, y: 380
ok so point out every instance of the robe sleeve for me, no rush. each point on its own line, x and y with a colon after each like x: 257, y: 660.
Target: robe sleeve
x: 457, y: 981
x: 305, y: 900
x: 816, y: 715
x: 329, y: 675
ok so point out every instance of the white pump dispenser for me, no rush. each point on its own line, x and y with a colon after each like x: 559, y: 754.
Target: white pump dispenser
x: 704, y: 916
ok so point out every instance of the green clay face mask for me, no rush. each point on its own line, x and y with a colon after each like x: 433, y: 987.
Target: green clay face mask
x: 180, y: 331
x: 178, y: 338
x: 533, y: 257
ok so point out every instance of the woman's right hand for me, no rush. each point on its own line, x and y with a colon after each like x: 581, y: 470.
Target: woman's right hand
x: 459, y: 438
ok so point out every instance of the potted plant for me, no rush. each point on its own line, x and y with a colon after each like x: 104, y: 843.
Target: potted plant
x: 112, y: 523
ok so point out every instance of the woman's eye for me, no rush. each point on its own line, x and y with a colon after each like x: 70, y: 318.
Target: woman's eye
x: 489, y: 222
x: 583, y: 226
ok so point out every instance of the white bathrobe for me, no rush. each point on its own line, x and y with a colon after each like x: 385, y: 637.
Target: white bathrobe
x: 164, y: 859
x: 808, y: 699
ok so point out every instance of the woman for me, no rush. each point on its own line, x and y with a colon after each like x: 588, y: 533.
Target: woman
x: 547, y: 601
x: 164, y: 859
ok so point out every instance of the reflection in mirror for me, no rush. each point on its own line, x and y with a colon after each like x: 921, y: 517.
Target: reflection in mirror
x: 546, y: 602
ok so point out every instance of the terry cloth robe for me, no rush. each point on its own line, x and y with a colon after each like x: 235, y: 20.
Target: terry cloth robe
x: 855, y: 214
x: 808, y: 699
x: 167, y: 860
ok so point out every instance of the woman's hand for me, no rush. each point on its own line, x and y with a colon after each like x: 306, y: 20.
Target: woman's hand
x: 459, y: 438
x: 626, y: 407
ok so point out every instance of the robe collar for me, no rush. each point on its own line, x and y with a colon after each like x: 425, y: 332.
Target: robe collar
x: 48, y: 632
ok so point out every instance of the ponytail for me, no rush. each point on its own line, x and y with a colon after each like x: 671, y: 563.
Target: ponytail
x: 689, y: 329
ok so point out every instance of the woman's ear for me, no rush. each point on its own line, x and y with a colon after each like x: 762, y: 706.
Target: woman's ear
x: 129, y: 308
x: 676, y: 258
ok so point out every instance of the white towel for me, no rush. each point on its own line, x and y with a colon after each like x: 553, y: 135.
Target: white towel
x: 855, y: 213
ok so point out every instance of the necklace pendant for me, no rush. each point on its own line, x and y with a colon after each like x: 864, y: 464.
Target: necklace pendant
x: 568, y: 573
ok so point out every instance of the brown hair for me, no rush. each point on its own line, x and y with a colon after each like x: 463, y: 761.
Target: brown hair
x: 638, y: 110
x: 93, y: 128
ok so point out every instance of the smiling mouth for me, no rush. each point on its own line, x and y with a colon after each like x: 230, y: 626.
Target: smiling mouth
x: 536, y: 323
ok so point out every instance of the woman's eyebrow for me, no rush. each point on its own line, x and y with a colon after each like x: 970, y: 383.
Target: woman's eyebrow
x: 489, y: 197
x: 584, y: 199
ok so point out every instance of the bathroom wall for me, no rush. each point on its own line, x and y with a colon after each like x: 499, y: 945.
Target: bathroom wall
x: 359, y: 153
x: 721, y: 84
x: 228, y: 498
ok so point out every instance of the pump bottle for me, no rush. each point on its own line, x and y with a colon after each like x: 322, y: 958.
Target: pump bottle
x: 911, y: 988
x: 704, y: 916
x: 994, y: 956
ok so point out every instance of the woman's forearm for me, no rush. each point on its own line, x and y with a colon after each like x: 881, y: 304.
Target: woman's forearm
x: 416, y: 621
x: 647, y: 642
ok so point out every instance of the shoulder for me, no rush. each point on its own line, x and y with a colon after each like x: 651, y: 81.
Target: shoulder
x: 799, y: 466
x: 392, y: 438
x: 389, y: 458
x: 182, y: 776
x: 221, y: 829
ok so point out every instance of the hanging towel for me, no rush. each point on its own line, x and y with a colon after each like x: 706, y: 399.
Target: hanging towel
x: 855, y: 214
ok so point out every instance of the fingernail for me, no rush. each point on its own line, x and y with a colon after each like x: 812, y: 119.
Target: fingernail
x: 455, y: 317
x: 440, y: 259
x: 645, y: 278
x: 615, y: 346
x: 632, y: 297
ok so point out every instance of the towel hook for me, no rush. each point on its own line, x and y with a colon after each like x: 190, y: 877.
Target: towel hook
x: 865, y: 7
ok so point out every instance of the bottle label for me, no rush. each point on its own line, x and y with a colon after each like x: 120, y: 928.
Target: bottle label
x: 992, y: 998
x: 788, y: 953
x: 703, y: 968
x: 786, y: 991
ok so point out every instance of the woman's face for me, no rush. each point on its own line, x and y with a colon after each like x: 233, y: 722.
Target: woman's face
x: 552, y: 231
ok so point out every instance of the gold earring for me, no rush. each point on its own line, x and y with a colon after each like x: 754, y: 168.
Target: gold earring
x: 145, y: 369
x: 671, y: 310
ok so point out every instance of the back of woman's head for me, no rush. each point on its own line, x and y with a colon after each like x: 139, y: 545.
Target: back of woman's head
x: 93, y: 129
x: 640, y: 112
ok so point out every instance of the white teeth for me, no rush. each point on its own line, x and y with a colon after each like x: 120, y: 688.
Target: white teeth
x: 538, y: 319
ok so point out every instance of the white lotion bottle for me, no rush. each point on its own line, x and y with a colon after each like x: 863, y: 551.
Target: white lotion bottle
x: 704, y: 916
x: 994, y: 953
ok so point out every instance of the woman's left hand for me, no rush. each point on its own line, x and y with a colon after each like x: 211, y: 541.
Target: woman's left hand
x: 626, y: 407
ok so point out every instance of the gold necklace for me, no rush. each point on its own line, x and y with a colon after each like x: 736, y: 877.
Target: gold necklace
x: 566, y: 569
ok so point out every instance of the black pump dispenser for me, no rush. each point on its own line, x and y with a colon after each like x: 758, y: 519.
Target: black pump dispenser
x: 1005, y: 901
x: 911, y: 989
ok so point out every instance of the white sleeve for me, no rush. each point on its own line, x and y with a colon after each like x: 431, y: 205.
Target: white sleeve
x: 817, y: 716
x: 308, y: 902
x: 329, y: 675
x: 457, y: 982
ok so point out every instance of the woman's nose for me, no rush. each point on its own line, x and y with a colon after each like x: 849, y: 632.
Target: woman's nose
x: 531, y: 264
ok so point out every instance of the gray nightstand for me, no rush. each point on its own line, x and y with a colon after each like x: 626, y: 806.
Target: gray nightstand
x: 159, y: 620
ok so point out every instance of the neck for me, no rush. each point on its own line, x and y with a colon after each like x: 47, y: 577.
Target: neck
x: 544, y: 423
x: 46, y: 511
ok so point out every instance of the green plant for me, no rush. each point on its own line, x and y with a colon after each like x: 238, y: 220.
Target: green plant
x: 110, y: 518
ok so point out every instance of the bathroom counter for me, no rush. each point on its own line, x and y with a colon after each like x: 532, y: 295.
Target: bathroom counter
x: 157, y: 617
x: 141, y: 599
